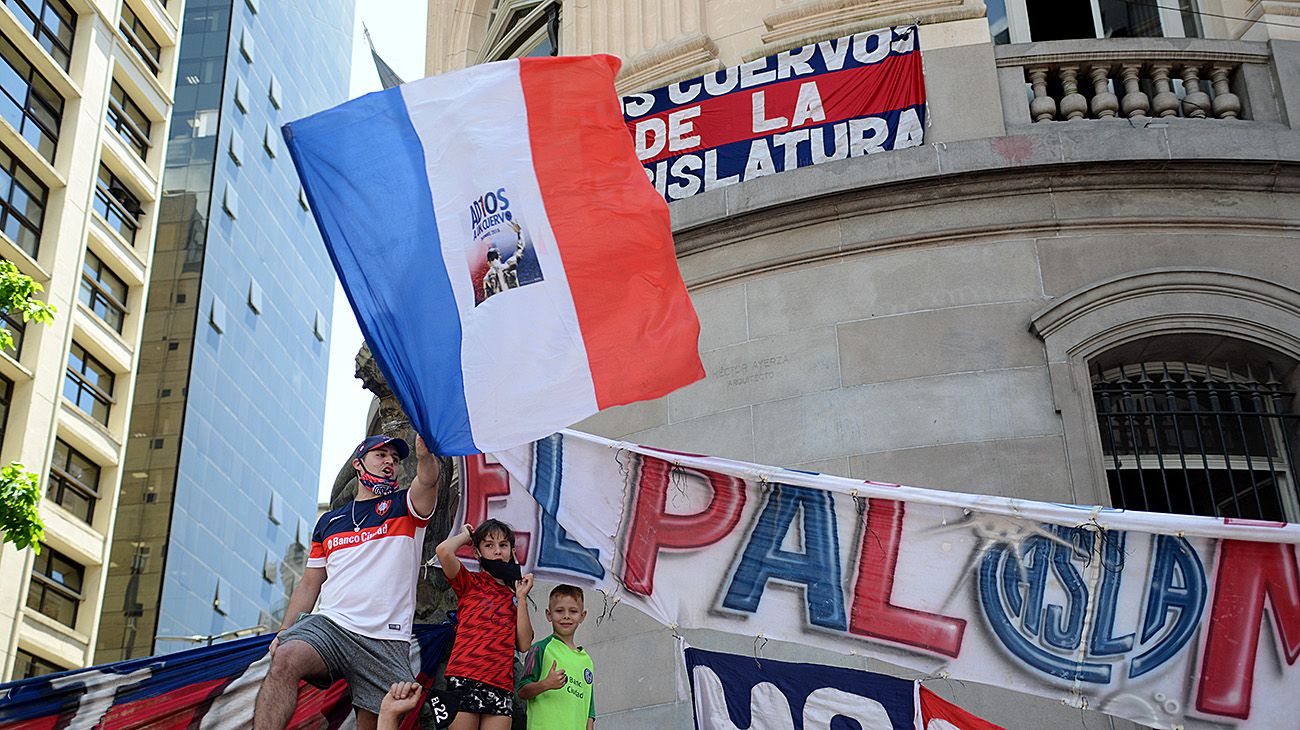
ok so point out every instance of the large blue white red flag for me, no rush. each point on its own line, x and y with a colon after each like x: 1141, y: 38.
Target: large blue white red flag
x: 212, y: 688
x: 509, y: 263
x: 733, y: 692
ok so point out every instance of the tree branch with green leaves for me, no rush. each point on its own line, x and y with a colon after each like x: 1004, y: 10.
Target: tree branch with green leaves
x: 18, y: 299
x: 20, y: 490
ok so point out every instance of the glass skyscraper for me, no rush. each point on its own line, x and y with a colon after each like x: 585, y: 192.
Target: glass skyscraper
x: 218, y: 493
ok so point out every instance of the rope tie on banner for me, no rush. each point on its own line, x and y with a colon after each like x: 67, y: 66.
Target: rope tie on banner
x: 760, y: 643
x: 610, y: 601
x: 679, y: 669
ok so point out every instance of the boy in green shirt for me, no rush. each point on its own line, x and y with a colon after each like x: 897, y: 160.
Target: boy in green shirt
x: 561, y: 697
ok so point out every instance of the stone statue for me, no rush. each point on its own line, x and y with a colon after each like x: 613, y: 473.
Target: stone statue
x: 433, y: 598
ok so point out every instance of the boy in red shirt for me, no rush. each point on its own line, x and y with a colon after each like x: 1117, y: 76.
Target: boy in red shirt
x: 490, y: 627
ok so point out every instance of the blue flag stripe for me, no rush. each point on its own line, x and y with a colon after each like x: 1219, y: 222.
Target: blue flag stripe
x: 363, y: 168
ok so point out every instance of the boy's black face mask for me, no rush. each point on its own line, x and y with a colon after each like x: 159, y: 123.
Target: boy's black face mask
x: 509, y: 573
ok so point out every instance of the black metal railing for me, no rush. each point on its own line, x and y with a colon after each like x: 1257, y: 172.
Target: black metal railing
x: 1196, y: 439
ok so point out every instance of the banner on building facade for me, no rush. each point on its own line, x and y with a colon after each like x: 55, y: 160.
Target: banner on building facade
x: 212, y: 688
x: 731, y: 692
x: 829, y: 100
x: 1156, y: 618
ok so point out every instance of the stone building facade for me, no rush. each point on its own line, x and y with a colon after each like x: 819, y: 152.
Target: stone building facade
x: 1100, y: 236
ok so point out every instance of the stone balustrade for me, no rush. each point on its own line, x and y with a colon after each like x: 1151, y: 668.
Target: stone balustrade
x: 1135, y: 78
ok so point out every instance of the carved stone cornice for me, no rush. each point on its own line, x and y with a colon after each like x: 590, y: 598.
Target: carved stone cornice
x: 817, y: 20
x: 691, y: 56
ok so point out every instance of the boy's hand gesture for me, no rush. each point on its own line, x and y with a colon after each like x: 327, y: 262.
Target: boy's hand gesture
x: 555, y: 679
x: 524, y: 585
x: 402, y: 697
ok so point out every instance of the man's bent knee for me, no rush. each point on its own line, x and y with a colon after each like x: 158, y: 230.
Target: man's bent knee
x: 295, y: 660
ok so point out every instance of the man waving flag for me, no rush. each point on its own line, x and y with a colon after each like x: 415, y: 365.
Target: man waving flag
x: 509, y: 263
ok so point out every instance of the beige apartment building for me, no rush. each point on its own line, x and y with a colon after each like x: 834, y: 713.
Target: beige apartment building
x: 87, y: 94
x: 1096, y: 248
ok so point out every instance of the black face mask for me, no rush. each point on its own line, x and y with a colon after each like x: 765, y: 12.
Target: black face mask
x: 509, y: 573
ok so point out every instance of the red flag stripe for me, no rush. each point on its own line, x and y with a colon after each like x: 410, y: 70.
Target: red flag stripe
x: 609, y: 221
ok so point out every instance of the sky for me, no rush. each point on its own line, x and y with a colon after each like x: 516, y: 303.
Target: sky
x: 397, y: 27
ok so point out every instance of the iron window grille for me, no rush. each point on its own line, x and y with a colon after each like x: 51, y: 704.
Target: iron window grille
x: 103, y: 292
x: 88, y: 384
x: 140, y: 39
x: 28, y: 665
x: 1197, y: 439
x: 22, y: 204
x: 51, y: 22
x: 129, y: 121
x: 56, y: 586
x: 115, y: 203
x: 29, y: 103
x: 74, y: 481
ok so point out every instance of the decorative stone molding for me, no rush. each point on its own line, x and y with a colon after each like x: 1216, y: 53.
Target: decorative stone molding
x: 1284, y: 12
x: 1141, y: 305
x: 686, y: 58
x: 817, y: 20
x: 1169, y: 295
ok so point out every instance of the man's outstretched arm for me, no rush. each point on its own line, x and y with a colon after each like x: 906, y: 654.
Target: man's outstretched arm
x: 428, y: 474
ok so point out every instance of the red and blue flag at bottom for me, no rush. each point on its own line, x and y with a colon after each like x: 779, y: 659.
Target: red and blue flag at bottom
x: 200, y: 689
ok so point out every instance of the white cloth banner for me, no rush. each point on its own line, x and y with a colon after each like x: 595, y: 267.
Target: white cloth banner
x: 1155, y: 618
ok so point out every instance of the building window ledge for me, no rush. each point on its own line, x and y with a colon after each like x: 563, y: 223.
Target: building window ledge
x: 29, y: 157
x: 86, y: 533
x: 125, y: 157
x: 119, y: 251
x: 12, y: 369
x: 82, y: 418
x: 141, y: 75
x: 103, y: 330
x: 49, y: 624
x: 23, y: 260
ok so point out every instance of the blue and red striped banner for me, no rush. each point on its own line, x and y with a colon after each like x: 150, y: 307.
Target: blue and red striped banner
x: 825, y: 101
x: 210, y: 687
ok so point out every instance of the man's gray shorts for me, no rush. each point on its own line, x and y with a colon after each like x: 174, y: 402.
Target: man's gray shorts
x: 370, y: 666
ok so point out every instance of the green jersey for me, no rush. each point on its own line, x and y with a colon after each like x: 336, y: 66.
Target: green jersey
x: 568, y: 707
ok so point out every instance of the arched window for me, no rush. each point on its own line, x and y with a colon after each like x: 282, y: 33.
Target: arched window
x: 1187, y: 432
x: 522, y: 28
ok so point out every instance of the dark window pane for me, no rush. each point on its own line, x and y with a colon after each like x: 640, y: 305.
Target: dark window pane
x: 103, y: 292
x: 6, y: 399
x: 55, y: 588
x: 140, y: 39
x: 22, y: 203
x: 125, y: 116
x: 88, y: 384
x: 27, y: 666
x: 1055, y: 20
x: 116, y: 204
x: 51, y: 22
